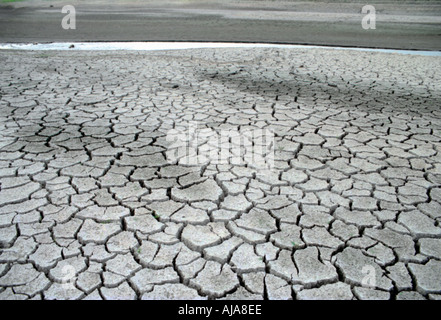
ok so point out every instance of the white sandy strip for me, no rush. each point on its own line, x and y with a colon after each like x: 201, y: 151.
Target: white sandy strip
x: 149, y: 46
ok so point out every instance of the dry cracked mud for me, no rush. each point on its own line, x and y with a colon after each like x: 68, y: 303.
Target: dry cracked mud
x: 91, y: 207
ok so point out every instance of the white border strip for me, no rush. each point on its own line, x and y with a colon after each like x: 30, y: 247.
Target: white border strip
x: 151, y: 46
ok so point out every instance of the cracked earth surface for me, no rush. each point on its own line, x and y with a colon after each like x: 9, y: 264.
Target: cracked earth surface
x: 91, y: 208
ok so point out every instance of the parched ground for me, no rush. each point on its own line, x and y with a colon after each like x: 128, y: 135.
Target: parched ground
x: 92, y: 206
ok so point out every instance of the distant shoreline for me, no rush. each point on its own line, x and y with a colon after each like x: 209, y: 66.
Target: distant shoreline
x: 415, y: 25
